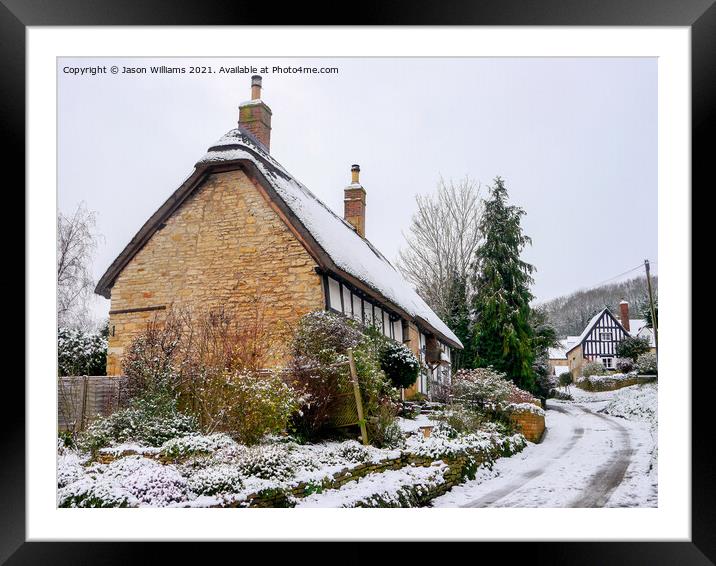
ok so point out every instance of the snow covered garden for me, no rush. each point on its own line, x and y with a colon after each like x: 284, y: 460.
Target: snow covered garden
x: 197, y: 431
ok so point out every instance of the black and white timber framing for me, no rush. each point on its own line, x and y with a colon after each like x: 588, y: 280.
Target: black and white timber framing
x: 604, y: 336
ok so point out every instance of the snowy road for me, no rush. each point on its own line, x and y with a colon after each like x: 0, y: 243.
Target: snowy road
x: 586, y: 459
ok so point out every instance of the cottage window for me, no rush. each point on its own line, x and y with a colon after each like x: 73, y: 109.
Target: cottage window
x: 334, y: 294
x: 367, y: 313
x: 347, y: 304
x: 608, y: 362
x: 398, y: 330
x: 605, y: 336
x: 357, y: 308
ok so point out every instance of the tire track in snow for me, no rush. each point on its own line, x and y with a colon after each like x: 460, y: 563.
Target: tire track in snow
x: 525, y: 477
x: 611, y: 474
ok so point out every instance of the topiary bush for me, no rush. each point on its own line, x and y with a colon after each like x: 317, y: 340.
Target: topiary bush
x: 593, y: 368
x: 399, y: 364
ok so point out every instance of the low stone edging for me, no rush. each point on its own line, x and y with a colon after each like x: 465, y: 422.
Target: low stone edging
x: 606, y: 383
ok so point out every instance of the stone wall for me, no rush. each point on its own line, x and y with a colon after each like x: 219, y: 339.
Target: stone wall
x: 225, y: 248
x: 604, y: 383
x: 530, y: 423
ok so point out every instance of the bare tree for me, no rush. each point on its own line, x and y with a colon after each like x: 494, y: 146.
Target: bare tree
x: 442, y: 240
x: 76, y: 243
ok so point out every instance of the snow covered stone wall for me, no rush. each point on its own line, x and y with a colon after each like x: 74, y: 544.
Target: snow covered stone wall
x: 529, y: 419
x: 612, y: 382
x: 224, y: 247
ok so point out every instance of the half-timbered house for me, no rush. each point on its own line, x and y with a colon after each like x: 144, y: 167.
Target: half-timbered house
x: 598, y: 341
x: 242, y: 227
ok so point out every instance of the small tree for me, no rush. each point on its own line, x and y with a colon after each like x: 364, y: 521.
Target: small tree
x: 632, y: 347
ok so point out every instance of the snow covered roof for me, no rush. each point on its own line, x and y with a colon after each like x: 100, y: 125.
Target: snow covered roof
x: 347, y: 252
x: 587, y: 328
x: 560, y: 351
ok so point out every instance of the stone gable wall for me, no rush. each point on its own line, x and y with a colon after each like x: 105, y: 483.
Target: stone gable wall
x: 224, y: 248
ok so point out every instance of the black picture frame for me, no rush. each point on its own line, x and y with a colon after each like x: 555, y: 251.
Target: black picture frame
x: 699, y: 15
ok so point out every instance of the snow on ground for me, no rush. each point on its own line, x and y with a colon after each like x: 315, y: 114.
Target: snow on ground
x: 379, y: 490
x: 412, y: 425
x: 588, y: 458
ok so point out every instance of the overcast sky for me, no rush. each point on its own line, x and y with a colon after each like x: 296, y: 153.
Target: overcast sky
x: 574, y: 139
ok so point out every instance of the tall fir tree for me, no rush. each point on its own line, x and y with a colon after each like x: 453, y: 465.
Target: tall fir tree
x: 501, y: 331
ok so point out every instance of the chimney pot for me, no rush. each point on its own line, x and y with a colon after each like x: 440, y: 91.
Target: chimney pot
x: 256, y: 87
x: 355, y: 173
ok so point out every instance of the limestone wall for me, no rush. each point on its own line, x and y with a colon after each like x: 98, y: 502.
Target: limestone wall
x: 224, y: 248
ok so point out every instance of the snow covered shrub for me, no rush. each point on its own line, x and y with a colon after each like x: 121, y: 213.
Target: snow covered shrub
x: 459, y: 420
x: 269, y: 462
x: 150, y: 360
x: 399, y: 364
x: 325, y: 337
x: 224, y: 478
x: 383, y: 430
x: 80, y: 352
x: 632, y: 347
x: 148, y: 420
x: 481, y: 389
x: 647, y: 364
x: 192, y: 444
x: 593, y: 368
x: 352, y: 451
x: 258, y: 404
x: 565, y: 379
x: 321, y: 376
x: 518, y: 395
x: 625, y: 366
x: 127, y: 482
x: 69, y: 468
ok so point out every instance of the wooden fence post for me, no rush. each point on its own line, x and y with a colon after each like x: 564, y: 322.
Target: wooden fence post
x: 359, y: 402
x: 85, y: 379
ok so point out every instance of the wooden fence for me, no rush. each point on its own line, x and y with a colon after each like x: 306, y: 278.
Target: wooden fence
x: 82, y: 398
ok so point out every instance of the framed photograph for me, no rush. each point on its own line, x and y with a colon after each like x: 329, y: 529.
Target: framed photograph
x: 360, y: 283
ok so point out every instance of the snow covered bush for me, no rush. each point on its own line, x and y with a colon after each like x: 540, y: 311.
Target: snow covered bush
x: 250, y: 405
x: 148, y: 420
x: 224, y: 478
x: 481, y: 389
x: 632, y: 347
x: 625, y: 365
x: 458, y: 420
x: 352, y: 451
x: 399, y: 364
x: 127, y: 482
x: 80, y: 352
x: 192, y: 444
x: 324, y: 337
x: 321, y: 376
x: 593, y: 368
x: 267, y: 462
x: 647, y: 363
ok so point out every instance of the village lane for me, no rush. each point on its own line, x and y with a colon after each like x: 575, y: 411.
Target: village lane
x: 582, y: 461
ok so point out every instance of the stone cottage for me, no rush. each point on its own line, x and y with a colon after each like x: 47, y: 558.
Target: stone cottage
x: 242, y: 226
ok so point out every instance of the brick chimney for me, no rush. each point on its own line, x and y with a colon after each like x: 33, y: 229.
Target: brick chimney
x: 354, y: 202
x: 255, y: 115
x: 624, y: 314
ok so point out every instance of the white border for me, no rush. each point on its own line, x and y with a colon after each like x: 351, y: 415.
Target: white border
x: 670, y: 521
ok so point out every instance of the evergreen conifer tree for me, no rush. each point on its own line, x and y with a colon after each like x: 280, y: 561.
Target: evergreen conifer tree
x: 501, y: 331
